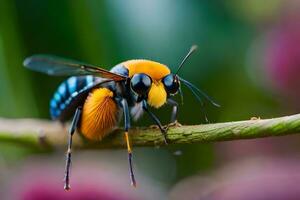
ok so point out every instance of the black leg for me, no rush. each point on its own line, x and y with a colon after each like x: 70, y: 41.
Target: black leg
x: 174, y: 110
x: 129, y: 150
x: 156, y: 120
x: 72, y: 129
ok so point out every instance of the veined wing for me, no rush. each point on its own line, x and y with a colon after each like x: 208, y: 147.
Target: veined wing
x: 56, y: 66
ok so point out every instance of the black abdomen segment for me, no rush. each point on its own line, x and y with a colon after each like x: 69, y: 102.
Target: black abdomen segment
x: 67, y: 97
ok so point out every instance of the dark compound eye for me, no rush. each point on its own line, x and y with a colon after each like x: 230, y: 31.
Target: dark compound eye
x: 140, y: 83
x: 171, y: 83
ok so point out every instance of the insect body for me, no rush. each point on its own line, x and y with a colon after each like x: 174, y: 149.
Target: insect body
x: 97, y: 98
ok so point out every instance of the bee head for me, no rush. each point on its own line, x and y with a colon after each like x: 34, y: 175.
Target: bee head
x: 156, y: 91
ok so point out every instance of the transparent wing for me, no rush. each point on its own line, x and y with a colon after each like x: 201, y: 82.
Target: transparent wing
x: 56, y: 66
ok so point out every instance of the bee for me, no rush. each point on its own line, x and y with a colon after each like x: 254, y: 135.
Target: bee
x: 96, y: 98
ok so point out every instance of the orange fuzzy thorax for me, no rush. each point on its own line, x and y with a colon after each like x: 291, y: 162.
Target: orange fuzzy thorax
x: 99, y: 114
x: 153, y: 69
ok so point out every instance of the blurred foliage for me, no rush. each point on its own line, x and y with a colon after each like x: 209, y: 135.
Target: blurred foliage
x: 105, y: 33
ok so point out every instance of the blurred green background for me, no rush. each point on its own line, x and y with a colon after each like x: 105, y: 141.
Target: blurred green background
x: 235, y: 38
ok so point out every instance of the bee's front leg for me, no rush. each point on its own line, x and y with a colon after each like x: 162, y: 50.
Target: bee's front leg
x: 173, y: 122
x: 157, y: 121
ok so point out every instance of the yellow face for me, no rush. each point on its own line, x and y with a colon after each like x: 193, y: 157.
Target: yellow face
x: 157, y: 95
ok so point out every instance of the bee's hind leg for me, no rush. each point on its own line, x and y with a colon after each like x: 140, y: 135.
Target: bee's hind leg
x: 72, y: 130
x: 129, y: 149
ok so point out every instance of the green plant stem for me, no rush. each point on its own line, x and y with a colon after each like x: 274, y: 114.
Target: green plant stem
x: 46, y: 134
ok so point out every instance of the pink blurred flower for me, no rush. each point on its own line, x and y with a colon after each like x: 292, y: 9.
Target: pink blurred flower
x: 45, y: 190
x: 282, y: 57
x: 258, y: 179
x: 44, y: 182
x: 100, y: 179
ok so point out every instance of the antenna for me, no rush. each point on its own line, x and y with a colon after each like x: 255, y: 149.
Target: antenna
x: 191, y: 51
x: 198, y: 93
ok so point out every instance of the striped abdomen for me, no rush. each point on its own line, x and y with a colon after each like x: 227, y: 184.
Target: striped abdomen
x: 70, y: 94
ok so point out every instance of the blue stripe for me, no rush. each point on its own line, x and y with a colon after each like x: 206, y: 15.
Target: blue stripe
x: 62, y: 89
x: 57, y: 97
x: 89, y: 80
x: 62, y: 106
x: 72, y: 84
x: 53, y: 103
